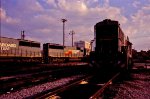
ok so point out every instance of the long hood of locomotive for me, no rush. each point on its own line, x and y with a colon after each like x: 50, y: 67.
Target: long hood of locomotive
x: 11, y: 47
x: 64, y: 53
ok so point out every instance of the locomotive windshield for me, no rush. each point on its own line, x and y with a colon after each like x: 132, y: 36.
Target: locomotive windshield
x: 56, y: 47
x: 106, y: 31
x: 29, y: 44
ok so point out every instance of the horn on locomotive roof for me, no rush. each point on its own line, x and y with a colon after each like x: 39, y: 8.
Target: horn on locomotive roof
x: 22, y: 35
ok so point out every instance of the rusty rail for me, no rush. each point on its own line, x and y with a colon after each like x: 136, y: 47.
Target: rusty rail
x: 100, y: 91
x: 51, y: 95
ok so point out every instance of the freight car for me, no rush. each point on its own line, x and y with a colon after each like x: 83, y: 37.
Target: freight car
x: 57, y: 53
x: 113, y: 49
x: 19, y: 51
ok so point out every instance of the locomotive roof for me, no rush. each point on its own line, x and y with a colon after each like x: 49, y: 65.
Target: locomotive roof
x: 54, y: 44
x: 108, y: 22
x: 66, y: 47
x: 28, y: 40
x: 20, y: 39
x: 8, y: 38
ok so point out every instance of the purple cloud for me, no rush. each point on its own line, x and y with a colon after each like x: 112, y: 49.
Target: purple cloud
x: 41, y: 19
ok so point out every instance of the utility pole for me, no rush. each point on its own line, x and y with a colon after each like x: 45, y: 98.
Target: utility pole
x: 72, y: 33
x: 63, y: 20
x: 0, y: 43
x: 22, y: 35
x: 91, y: 43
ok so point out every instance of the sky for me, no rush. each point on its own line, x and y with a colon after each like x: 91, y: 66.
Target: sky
x: 41, y: 19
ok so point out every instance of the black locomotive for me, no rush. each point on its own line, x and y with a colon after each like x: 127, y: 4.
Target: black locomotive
x: 113, y: 48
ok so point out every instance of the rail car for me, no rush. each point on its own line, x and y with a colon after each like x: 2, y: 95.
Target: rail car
x: 57, y: 53
x: 113, y: 48
x: 19, y: 51
x: 26, y: 51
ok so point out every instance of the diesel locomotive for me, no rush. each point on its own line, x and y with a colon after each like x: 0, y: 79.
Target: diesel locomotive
x: 18, y: 50
x: 58, y: 53
x: 113, y: 49
x: 26, y: 51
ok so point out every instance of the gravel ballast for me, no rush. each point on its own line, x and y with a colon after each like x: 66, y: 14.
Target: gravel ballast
x: 137, y: 87
x: 27, y: 92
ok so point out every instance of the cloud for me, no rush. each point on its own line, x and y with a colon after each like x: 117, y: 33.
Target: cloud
x: 30, y: 5
x: 72, y: 6
x: 106, y: 2
x: 141, y: 43
x: 2, y: 14
x: 41, y: 19
x: 136, y: 4
x: 81, y: 17
x: 140, y: 23
x: 141, y: 19
x: 7, y: 19
x: 51, y: 3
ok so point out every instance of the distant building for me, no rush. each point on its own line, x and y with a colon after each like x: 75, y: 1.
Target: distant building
x: 83, y: 45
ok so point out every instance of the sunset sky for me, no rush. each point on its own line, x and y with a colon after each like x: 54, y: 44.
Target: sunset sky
x: 41, y: 19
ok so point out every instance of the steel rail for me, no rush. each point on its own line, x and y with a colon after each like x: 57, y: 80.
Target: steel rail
x: 52, y: 94
x: 100, y: 91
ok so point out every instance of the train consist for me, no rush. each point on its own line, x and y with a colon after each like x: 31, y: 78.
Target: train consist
x: 26, y: 51
x: 113, y: 48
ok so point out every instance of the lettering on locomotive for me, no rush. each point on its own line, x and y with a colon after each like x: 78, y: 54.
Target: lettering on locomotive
x: 7, y: 46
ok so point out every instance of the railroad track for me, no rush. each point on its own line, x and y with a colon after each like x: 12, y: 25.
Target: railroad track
x: 53, y: 94
x: 101, y: 90
x: 12, y: 83
x: 87, y: 88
